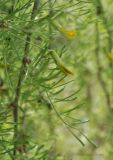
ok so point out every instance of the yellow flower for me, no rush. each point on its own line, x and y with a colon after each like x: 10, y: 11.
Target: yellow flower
x: 69, y: 34
x: 110, y: 57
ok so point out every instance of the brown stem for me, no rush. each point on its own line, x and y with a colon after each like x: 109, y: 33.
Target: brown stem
x: 100, y: 12
x: 105, y: 21
x: 99, y: 75
x: 22, y: 73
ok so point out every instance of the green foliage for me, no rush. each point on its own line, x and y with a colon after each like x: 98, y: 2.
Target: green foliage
x: 54, y: 72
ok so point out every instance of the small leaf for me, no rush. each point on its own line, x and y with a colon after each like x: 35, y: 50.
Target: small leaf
x: 74, y: 108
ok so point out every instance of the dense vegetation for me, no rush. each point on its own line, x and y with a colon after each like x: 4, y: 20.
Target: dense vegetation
x: 56, y: 80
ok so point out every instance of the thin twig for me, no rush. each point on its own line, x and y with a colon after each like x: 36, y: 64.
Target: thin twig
x: 66, y: 125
